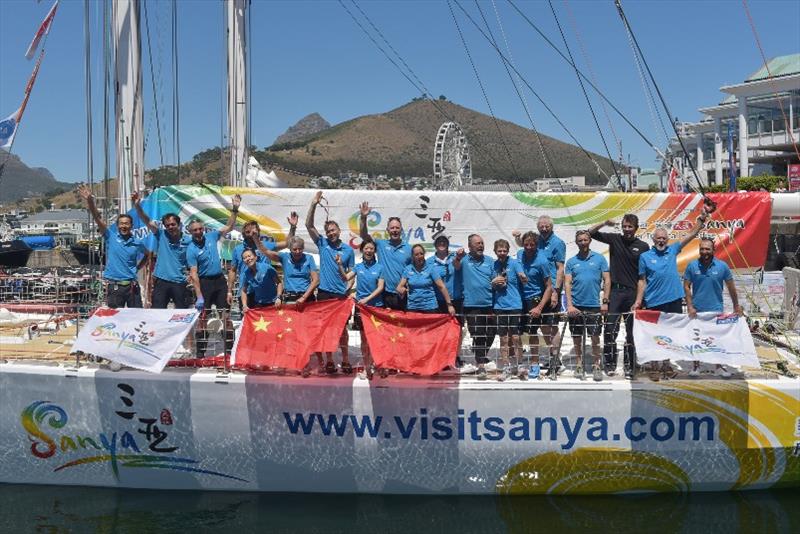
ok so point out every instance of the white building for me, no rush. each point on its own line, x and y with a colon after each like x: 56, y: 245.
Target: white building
x: 764, y: 115
x: 66, y: 226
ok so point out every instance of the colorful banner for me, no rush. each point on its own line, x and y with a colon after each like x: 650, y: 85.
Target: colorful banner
x: 710, y: 338
x: 139, y: 338
x: 411, y: 342
x: 740, y: 224
x: 793, y: 173
x: 286, y: 337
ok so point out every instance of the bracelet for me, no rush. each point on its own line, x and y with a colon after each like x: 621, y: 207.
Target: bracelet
x: 449, y: 303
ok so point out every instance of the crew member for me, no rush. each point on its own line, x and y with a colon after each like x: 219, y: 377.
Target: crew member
x: 261, y: 286
x: 536, y: 295
x: 442, y: 263
x: 419, y: 284
x: 509, y: 277
x: 584, y: 275
x: 123, y: 253
x: 393, y: 253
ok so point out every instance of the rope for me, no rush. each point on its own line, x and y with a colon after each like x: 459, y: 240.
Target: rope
x: 175, y: 99
x: 153, y: 82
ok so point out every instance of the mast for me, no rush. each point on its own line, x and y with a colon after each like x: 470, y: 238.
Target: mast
x: 128, y: 100
x: 236, y: 31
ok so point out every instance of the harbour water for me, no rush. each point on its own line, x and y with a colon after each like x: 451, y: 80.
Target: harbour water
x: 76, y: 509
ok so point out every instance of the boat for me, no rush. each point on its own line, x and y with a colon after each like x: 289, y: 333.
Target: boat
x: 14, y: 253
x: 88, y: 252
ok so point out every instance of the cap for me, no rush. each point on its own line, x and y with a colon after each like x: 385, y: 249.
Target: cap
x: 441, y: 239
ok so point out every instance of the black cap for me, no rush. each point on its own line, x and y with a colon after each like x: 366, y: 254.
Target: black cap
x: 440, y: 239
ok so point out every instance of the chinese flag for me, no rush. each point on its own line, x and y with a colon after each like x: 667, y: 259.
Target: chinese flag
x: 412, y: 342
x: 285, y: 337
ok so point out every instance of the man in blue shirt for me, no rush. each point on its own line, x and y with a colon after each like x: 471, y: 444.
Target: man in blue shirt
x: 702, y: 283
x: 535, y: 297
x: 477, y: 272
x: 205, y: 274
x: 585, y: 275
x: 393, y: 253
x: 331, y: 285
x: 124, y: 256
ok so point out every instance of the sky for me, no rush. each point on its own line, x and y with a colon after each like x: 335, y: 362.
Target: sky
x: 310, y: 56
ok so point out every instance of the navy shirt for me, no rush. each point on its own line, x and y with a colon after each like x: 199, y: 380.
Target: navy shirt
x: 395, y: 259
x: 587, y: 278
x: 329, y: 278
x: 707, y: 283
x: 122, y: 256
x: 367, y: 276
x: 263, y: 284
x: 509, y: 296
x: 205, y: 257
x: 421, y: 284
x: 297, y: 275
x: 477, y: 276
x: 537, y: 269
x: 171, y: 257
x: 451, y: 278
x: 660, y: 269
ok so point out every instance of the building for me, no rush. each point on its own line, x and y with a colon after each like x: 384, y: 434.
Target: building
x: 761, y: 115
x: 66, y: 226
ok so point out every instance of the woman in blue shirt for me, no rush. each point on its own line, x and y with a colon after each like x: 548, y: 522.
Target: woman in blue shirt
x: 507, y: 288
x: 419, y: 282
x: 300, y: 272
x: 369, y: 290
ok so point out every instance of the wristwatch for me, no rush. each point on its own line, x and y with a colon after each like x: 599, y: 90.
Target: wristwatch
x: 605, y: 301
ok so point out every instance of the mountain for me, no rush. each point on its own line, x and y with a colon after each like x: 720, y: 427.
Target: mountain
x: 308, y: 125
x: 401, y: 141
x: 20, y: 181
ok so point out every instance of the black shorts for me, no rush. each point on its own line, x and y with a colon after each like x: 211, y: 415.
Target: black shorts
x: 327, y: 295
x: 290, y: 297
x: 529, y: 325
x: 458, y: 304
x: 675, y: 306
x: 393, y: 301
x: 120, y: 295
x: 165, y: 292
x: 215, y: 292
x: 550, y: 314
x: 589, y: 321
x: 507, y: 322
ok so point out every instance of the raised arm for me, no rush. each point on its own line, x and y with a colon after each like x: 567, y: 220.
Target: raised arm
x: 137, y: 203
x: 517, y: 235
x: 699, y: 225
x: 312, y: 231
x: 236, y: 201
x: 596, y: 228
x: 457, y: 260
x: 362, y: 227
x: 292, y: 220
x: 270, y: 254
x: 88, y: 197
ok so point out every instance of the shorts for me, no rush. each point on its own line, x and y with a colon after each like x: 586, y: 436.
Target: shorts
x: 327, y: 295
x: 120, y: 295
x: 675, y: 306
x: 458, y: 304
x: 550, y: 315
x: 527, y: 324
x: 215, y: 292
x: 393, y: 301
x: 290, y: 297
x: 165, y: 291
x: 507, y: 322
x: 589, y: 322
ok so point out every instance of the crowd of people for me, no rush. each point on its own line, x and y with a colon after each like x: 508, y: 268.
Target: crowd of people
x: 506, y: 296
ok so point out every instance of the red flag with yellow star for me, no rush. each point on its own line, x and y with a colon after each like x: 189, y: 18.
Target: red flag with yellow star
x: 287, y: 336
x: 412, y: 342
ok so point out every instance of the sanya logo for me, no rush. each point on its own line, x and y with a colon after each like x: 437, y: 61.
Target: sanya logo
x: 689, y: 348
x: 143, y: 445
x: 138, y: 339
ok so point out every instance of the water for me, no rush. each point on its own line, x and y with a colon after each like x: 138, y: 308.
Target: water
x: 74, y: 509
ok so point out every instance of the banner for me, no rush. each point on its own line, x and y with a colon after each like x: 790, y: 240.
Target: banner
x: 411, y: 342
x: 494, y: 215
x: 711, y: 338
x: 139, y: 338
x: 793, y: 173
x: 287, y: 336
x: 43, y: 30
x: 8, y: 128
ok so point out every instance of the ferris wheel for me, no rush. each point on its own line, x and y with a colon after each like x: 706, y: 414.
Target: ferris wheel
x: 452, y: 166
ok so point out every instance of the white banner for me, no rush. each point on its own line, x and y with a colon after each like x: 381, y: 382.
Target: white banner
x: 710, y: 338
x: 139, y: 338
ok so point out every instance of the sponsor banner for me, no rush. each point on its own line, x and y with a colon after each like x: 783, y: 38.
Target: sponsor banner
x: 740, y: 225
x: 710, y: 338
x: 793, y: 172
x: 139, y: 338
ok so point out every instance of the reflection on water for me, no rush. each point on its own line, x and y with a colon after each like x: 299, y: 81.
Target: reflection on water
x: 74, y: 509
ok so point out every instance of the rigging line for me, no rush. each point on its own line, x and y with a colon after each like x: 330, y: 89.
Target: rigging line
x: 153, y: 82
x: 223, y: 92
x: 520, y: 95
x: 249, y: 89
x: 771, y: 78
x: 574, y: 24
x: 536, y: 94
x: 175, y: 99
x: 621, y: 12
x: 586, y: 95
x: 421, y: 88
x: 485, y: 96
x: 587, y: 80
x: 87, y: 50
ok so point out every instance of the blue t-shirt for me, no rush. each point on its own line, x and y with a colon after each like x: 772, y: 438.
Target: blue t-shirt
x: 395, y: 259
x: 587, y: 278
x: 171, y: 257
x: 206, y: 257
x: 451, y: 278
x: 421, y: 284
x: 236, y: 259
x: 329, y: 278
x: 660, y: 270
x: 297, y: 276
x: 477, y: 277
x: 122, y: 256
x: 707, y: 283
x: 554, y: 249
x: 367, y: 276
x: 538, y: 270
x: 263, y: 284
x: 508, y: 297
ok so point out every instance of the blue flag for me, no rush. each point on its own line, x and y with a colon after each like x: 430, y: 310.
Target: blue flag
x: 8, y: 127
